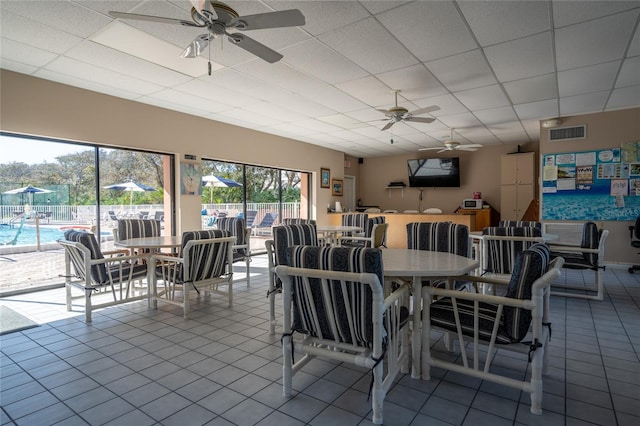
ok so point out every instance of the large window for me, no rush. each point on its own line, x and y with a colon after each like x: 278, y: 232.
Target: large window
x: 49, y: 186
x: 262, y: 195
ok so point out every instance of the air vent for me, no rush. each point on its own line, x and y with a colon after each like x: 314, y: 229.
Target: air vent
x: 568, y: 133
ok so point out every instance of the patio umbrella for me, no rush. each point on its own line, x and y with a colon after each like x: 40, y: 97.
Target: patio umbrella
x: 29, y: 189
x: 218, y: 182
x: 130, y: 186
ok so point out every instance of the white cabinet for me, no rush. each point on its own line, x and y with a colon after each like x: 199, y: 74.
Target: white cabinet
x: 517, y: 190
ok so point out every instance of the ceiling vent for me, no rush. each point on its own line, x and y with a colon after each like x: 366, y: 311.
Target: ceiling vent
x: 568, y: 133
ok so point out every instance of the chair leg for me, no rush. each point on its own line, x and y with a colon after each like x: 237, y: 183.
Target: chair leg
x: 68, y: 289
x: 287, y: 365
x: 536, y: 380
x: 87, y: 304
x: 377, y: 395
x: 185, y: 295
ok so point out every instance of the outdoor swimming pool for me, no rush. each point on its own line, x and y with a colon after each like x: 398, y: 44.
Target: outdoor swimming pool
x: 28, y: 235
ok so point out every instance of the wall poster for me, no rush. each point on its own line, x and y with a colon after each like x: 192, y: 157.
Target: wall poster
x: 592, y: 185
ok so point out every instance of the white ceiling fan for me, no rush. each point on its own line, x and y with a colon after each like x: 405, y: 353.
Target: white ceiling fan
x: 397, y: 114
x: 217, y: 18
x: 452, y: 145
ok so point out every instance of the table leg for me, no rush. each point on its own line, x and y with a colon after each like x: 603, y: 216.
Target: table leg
x: 416, y: 337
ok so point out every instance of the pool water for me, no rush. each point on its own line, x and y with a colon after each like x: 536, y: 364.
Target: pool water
x: 28, y: 235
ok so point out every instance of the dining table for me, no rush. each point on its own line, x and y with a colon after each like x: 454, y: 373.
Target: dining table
x: 418, y: 265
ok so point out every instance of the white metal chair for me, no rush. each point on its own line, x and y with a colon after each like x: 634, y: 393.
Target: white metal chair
x: 376, y: 239
x: 205, y: 263
x: 590, y: 256
x: 518, y: 321
x: 111, y: 279
x: 333, y: 296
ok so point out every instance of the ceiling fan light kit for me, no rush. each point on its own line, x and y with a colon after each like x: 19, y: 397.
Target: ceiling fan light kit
x: 397, y: 114
x: 552, y: 122
x: 452, y: 145
x: 218, y: 18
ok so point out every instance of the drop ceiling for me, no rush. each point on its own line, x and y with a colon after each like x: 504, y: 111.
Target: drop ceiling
x: 493, y: 67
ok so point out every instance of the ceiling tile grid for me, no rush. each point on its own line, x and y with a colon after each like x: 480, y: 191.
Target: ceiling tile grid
x: 494, y: 68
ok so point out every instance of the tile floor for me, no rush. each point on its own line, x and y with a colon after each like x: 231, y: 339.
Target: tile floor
x: 134, y: 366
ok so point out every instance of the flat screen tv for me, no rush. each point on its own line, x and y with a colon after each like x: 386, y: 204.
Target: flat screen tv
x: 434, y: 172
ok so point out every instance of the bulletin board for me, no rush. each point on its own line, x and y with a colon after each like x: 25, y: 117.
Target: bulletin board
x: 592, y: 185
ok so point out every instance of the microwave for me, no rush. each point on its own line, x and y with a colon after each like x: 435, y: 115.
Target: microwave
x: 471, y: 203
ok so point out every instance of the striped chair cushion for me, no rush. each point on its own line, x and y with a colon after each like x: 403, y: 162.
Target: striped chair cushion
x: 101, y: 273
x: 501, y: 254
x: 519, y: 224
x: 235, y: 226
x: 285, y: 236
x: 439, y: 236
x: 354, y: 219
x: 205, y: 261
x: 138, y: 228
x: 514, y: 323
x: 297, y: 221
x: 310, y: 307
x: 87, y: 239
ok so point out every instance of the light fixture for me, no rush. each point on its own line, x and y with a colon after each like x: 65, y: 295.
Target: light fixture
x: 552, y: 122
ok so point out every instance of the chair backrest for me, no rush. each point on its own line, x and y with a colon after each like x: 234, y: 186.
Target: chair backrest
x: 530, y: 265
x: 438, y: 236
x: 235, y: 227
x: 371, y: 222
x: 372, y: 210
x: 297, y: 221
x: 519, y: 223
x: 502, y: 250
x: 77, y: 256
x: 591, y: 239
x: 432, y: 210
x: 379, y: 235
x: 205, y: 261
x: 354, y: 219
x: 285, y: 236
x: 341, y: 314
x: 138, y: 228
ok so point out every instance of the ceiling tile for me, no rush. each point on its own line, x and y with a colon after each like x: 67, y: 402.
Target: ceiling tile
x: 356, y: 41
x: 496, y: 115
x: 377, y: 6
x: 32, y: 33
x: 464, y: 71
x: 447, y: 103
x: 522, y: 58
x: 629, y: 73
x: 460, y: 120
x: 593, y: 42
x: 314, y: 58
x: 572, y: 12
x: 207, y: 89
x: 83, y: 83
x: 18, y: 67
x: 493, y: 23
x: 241, y: 115
x: 324, y: 16
x: 537, y: 110
x: 587, y: 79
x: 370, y: 91
x: 24, y: 54
x: 532, y: 89
x: 342, y: 120
x: 628, y: 97
x: 415, y: 81
x: 483, y: 97
x: 431, y: 30
x: 634, y: 48
x: 590, y: 102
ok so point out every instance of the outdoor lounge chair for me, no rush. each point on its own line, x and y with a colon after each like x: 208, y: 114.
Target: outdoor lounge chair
x: 265, y: 224
x: 87, y: 269
x: 333, y: 297
x: 205, y: 265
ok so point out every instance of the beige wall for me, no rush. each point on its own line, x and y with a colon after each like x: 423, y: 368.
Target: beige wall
x: 479, y: 171
x: 604, y: 130
x: 43, y: 108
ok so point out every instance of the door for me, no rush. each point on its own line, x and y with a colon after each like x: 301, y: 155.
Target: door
x: 349, y: 193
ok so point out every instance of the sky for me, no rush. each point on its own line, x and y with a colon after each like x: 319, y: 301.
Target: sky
x: 32, y: 151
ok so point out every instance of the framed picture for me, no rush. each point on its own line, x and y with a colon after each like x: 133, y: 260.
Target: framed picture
x: 325, y: 176
x: 336, y: 187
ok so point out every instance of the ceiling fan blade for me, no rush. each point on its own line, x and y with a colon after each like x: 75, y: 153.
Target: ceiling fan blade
x: 420, y: 119
x: 255, y: 47
x: 443, y: 150
x: 472, y: 145
x: 431, y: 108
x: 430, y: 148
x: 138, y: 17
x: 260, y: 21
x: 195, y: 48
x: 466, y: 148
x: 388, y: 125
